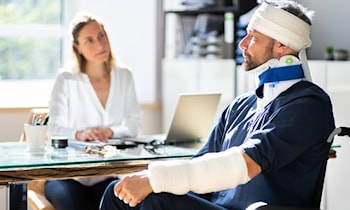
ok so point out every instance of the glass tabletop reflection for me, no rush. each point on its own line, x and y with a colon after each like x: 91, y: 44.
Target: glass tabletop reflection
x: 15, y: 154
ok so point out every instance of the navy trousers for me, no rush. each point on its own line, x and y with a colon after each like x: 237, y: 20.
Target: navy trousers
x: 71, y: 195
x: 158, y: 201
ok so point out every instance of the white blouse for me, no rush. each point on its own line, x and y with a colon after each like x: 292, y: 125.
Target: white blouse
x: 74, y: 105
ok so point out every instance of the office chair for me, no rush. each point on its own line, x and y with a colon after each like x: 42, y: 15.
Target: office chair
x: 36, y: 196
x: 340, y: 131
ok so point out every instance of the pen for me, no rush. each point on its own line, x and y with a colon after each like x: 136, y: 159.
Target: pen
x: 38, y: 120
x: 46, y: 119
x: 34, y: 120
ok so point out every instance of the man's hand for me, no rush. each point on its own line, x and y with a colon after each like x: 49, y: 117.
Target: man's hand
x: 133, y: 188
x: 93, y: 134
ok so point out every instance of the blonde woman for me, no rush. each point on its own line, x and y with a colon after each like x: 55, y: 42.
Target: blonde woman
x: 92, y: 101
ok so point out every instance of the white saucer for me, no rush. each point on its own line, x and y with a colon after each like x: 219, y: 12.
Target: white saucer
x: 36, y: 151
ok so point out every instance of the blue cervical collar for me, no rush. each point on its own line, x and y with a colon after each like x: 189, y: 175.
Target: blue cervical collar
x: 281, y: 73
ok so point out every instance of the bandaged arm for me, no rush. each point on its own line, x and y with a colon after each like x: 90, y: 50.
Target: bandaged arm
x: 208, y: 173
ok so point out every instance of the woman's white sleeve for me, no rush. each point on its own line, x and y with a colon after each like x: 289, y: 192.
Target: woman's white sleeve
x: 208, y: 173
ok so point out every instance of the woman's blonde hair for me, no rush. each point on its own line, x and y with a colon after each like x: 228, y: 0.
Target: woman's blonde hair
x: 80, y: 20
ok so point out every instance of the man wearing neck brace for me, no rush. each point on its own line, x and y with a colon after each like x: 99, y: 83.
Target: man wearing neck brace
x: 268, y: 146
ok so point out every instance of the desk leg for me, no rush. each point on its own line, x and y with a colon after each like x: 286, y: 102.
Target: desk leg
x: 4, y: 193
x: 17, y: 196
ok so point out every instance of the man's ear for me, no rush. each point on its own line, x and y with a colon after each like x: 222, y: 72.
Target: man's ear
x: 282, y: 49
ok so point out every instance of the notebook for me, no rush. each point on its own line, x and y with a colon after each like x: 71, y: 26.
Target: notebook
x: 192, y: 120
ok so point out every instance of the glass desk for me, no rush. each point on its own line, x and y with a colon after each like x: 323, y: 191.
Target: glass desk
x: 19, y: 166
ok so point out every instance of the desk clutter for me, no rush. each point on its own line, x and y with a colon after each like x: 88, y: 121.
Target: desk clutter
x: 106, y: 150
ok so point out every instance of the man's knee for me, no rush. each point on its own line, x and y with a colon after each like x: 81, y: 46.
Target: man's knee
x: 110, y: 189
x: 109, y: 199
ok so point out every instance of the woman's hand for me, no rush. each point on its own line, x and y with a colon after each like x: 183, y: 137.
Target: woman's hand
x: 94, y: 134
x: 133, y: 188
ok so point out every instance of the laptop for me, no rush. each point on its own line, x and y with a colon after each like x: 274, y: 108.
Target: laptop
x: 193, y: 120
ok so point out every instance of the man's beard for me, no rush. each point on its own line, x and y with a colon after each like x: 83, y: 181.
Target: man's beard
x: 249, y: 64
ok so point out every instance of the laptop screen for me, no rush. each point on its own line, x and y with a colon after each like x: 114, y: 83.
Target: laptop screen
x: 193, y: 118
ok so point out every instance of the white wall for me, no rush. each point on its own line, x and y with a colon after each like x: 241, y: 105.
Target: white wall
x: 134, y: 34
x: 330, y: 26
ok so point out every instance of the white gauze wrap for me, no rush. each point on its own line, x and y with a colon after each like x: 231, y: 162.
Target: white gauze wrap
x: 208, y: 173
x: 284, y: 27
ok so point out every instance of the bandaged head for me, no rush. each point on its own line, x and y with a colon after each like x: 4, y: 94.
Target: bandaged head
x: 285, y: 28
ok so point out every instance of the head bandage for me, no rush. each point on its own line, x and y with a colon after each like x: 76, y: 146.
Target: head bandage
x: 285, y: 28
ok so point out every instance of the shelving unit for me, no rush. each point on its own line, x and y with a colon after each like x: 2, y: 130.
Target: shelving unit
x: 197, y: 34
x: 199, y: 46
x: 204, y: 32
